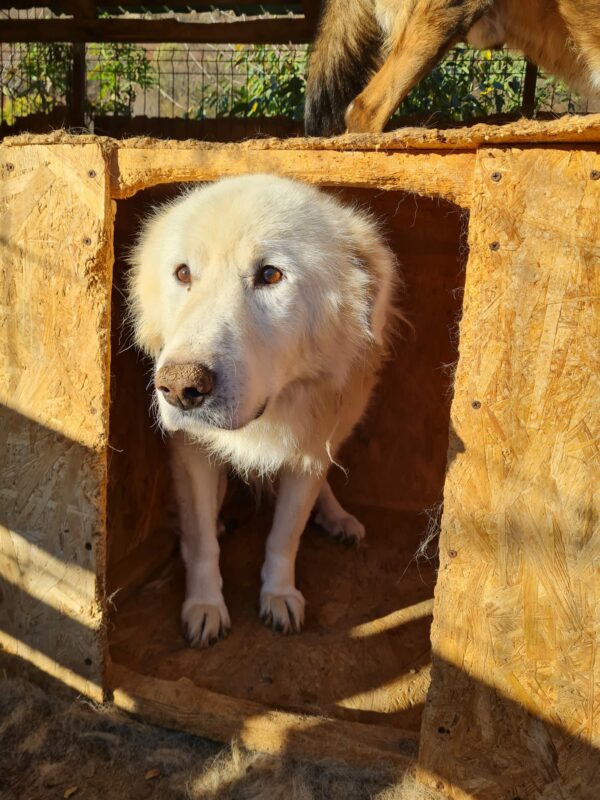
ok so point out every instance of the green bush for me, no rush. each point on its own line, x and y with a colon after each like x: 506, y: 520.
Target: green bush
x: 35, y: 81
x: 258, y: 81
x: 119, y: 71
x: 39, y: 80
x: 268, y: 82
x: 469, y: 84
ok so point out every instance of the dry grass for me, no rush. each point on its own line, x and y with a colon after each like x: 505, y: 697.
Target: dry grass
x: 50, y: 746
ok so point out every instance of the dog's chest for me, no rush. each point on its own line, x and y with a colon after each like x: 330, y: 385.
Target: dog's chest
x: 262, y: 448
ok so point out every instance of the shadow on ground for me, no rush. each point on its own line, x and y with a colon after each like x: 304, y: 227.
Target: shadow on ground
x: 53, y: 746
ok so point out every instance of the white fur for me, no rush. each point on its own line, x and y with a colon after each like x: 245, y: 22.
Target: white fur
x: 308, y: 347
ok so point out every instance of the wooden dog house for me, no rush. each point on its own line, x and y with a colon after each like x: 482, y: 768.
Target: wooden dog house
x: 499, y: 415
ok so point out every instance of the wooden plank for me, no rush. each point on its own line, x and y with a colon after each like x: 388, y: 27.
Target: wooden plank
x: 512, y: 709
x: 125, y: 576
x: 56, y: 264
x: 564, y: 130
x: 446, y: 175
x: 184, y: 706
x: 126, y: 29
x: 85, y: 9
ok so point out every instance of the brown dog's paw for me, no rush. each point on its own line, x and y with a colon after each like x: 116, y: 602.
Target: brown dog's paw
x: 283, y: 613
x: 360, y: 118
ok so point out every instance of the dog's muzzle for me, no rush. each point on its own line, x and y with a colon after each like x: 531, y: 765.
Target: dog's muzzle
x: 184, y: 386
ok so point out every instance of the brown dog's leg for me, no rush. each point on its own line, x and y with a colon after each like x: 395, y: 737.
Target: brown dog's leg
x: 419, y: 41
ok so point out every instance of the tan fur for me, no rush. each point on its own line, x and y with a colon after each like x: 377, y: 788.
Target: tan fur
x: 294, y: 364
x: 561, y: 36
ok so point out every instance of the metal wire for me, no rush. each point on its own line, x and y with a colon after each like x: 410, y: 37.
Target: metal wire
x: 197, y: 82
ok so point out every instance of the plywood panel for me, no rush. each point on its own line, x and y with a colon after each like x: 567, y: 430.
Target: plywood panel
x: 444, y: 174
x: 56, y: 264
x: 396, y: 457
x: 140, y: 494
x: 513, y: 706
x: 184, y: 706
x: 566, y: 129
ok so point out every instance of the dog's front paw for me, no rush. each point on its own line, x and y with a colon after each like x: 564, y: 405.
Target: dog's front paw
x: 343, y: 527
x: 204, y: 623
x: 283, y: 613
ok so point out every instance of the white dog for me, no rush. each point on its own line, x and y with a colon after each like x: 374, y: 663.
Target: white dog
x: 266, y: 306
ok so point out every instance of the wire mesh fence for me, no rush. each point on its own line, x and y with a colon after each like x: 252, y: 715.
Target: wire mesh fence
x: 201, y: 82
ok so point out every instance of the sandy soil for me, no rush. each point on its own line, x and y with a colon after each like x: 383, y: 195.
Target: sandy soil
x: 57, y: 747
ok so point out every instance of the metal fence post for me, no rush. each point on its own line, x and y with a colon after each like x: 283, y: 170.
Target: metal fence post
x: 78, y: 94
x: 529, y: 87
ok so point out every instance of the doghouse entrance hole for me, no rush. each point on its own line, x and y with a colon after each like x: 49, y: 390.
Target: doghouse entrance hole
x: 365, y: 652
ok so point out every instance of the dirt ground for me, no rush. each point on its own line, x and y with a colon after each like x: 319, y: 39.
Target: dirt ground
x: 57, y: 747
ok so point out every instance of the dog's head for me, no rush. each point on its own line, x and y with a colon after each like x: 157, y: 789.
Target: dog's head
x: 242, y: 287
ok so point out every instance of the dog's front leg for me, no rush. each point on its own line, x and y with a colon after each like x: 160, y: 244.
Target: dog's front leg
x: 419, y: 41
x: 281, y: 604
x: 199, y: 485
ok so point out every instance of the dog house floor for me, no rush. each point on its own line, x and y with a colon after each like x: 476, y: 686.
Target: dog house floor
x: 364, y: 652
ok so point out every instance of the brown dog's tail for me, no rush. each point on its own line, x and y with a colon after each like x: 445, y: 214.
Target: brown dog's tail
x: 344, y: 56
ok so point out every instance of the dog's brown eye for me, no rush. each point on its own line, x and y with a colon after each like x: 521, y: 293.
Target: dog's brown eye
x: 183, y: 274
x: 267, y: 276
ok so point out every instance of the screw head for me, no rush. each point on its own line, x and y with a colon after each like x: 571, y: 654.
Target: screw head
x: 10, y: 167
x: 496, y: 176
x: 87, y: 241
x: 91, y: 173
x: 595, y: 174
x: 452, y: 553
x: 494, y: 246
x: 476, y: 405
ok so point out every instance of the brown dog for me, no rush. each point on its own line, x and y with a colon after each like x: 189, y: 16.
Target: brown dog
x: 369, y: 54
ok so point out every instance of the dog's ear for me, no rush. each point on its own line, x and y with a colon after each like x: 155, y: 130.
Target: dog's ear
x: 144, y: 296
x: 375, y: 258
x: 144, y: 313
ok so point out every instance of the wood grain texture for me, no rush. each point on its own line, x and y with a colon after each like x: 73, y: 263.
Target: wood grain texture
x: 445, y: 175
x: 140, y: 537
x: 513, y: 708
x: 565, y: 129
x: 513, y: 705
x: 56, y: 268
x: 184, y: 706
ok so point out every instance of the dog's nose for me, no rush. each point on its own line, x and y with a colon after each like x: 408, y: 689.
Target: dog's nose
x: 184, y: 385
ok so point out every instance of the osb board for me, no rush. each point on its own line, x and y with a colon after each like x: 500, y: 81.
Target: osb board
x: 442, y: 174
x: 139, y: 488
x: 363, y: 656
x: 396, y: 457
x: 513, y: 707
x: 429, y: 162
x: 568, y: 128
x: 182, y: 705
x: 56, y: 257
